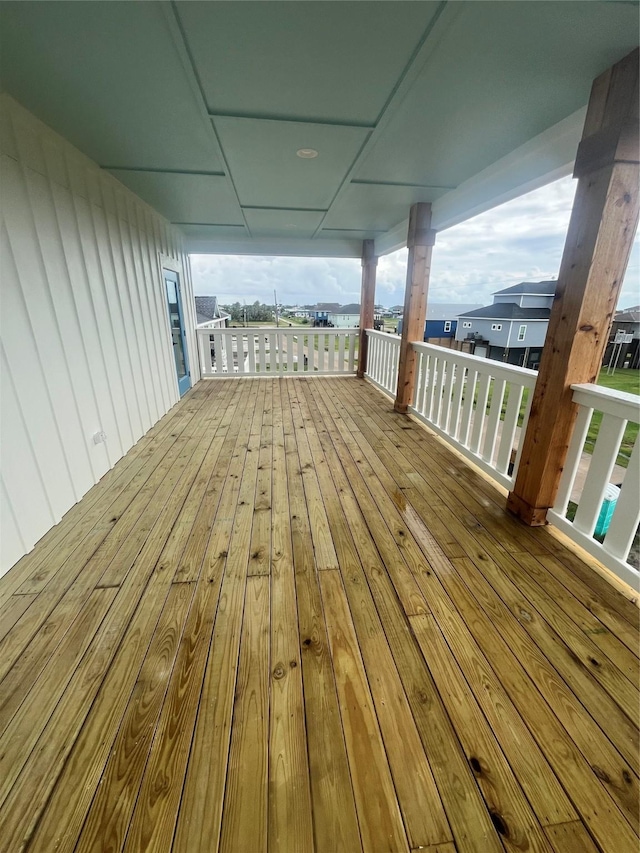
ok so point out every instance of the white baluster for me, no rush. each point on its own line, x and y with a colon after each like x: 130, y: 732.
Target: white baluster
x: 493, y: 421
x: 602, y: 461
x: 626, y: 516
x: 509, y: 426
x: 480, y: 412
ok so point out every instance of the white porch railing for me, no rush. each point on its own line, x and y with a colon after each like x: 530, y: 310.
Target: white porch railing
x: 268, y: 351
x: 618, y: 409
x: 475, y: 404
x: 218, y: 323
x: 382, y: 360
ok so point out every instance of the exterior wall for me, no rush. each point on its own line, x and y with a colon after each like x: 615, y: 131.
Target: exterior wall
x: 482, y: 327
x: 84, y: 326
x: 525, y: 300
x: 435, y: 329
x: 536, y: 301
x: 345, y: 321
x: 534, y: 336
x: 627, y: 328
x: 508, y: 335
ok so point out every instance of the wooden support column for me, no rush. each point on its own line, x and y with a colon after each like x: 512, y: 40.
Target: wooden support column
x: 601, y: 231
x: 420, y: 240
x: 367, y: 302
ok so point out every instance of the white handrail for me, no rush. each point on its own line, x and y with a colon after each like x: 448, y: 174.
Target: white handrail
x: 611, y: 545
x: 475, y: 404
x: 266, y: 350
x: 382, y: 360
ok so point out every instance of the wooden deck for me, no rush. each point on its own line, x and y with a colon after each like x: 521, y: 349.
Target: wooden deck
x: 291, y: 620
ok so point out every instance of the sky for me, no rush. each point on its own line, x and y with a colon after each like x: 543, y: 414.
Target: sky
x: 521, y: 240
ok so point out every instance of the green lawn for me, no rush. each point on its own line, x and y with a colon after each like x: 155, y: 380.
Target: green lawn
x: 620, y: 380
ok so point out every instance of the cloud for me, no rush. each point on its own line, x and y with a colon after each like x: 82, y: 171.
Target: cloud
x: 522, y: 240
x: 296, y: 280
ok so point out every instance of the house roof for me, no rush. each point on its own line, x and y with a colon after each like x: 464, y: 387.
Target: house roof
x: 207, y: 307
x: 508, y: 311
x: 404, y: 102
x: 531, y: 288
x: 630, y: 315
x: 326, y: 306
x: 448, y: 310
x: 351, y: 308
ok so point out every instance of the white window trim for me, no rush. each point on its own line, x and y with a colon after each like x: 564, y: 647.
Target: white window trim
x: 447, y: 325
x: 496, y: 327
x: 522, y: 332
x: 466, y: 324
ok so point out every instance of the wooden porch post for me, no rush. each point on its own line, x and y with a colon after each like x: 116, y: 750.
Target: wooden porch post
x: 367, y: 302
x: 420, y: 240
x: 601, y: 230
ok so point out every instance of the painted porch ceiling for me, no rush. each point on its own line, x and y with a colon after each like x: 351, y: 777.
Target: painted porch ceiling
x: 200, y: 107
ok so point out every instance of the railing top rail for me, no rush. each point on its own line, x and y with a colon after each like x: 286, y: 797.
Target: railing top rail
x: 607, y: 400
x: 374, y: 333
x: 525, y: 377
x: 294, y: 330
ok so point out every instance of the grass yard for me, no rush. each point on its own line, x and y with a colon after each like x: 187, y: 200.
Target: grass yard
x: 619, y: 380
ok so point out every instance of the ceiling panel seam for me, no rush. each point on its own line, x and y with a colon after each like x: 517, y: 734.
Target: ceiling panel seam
x: 165, y: 171
x: 370, y: 183
x: 408, y: 76
x: 285, y: 209
x: 191, y: 72
x: 211, y: 224
x: 291, y: 119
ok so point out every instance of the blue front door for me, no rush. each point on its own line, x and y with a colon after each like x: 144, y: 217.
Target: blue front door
x: 178, y: 337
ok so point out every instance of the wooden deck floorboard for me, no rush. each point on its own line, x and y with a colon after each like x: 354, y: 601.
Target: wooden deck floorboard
x: 292, y: 620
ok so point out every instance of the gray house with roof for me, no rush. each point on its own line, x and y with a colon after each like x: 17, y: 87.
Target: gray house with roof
x: 514, y: 327
x: 209, y: 313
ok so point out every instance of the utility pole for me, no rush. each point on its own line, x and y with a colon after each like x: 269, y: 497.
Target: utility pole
x: 275, y: 305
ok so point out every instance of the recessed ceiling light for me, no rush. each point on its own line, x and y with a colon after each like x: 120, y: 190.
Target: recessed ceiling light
x: 307, y: 153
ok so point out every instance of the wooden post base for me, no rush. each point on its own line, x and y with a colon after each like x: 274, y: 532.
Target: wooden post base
x: 534, y: 516
x: 401, y: 408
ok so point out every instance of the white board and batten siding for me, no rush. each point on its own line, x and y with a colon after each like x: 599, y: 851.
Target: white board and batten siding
x: 85, y: 340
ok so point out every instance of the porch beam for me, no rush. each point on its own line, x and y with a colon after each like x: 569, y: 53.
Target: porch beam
x: 420, y: 240
x: 603, y: 224
x: 367, y: 302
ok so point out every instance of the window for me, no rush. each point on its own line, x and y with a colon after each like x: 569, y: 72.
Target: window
x: 522, y: 331
x: 466, y: 324
x: 447, y: 325
x: 496, y: 327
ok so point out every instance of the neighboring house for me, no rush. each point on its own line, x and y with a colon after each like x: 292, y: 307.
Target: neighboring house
x: 396, y: 310
x: 514, y: 327
x: 345, y: 317
x: 628, y: 322
x: 320, y: 313
x: 442, y: 319
x: 209, y: 313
